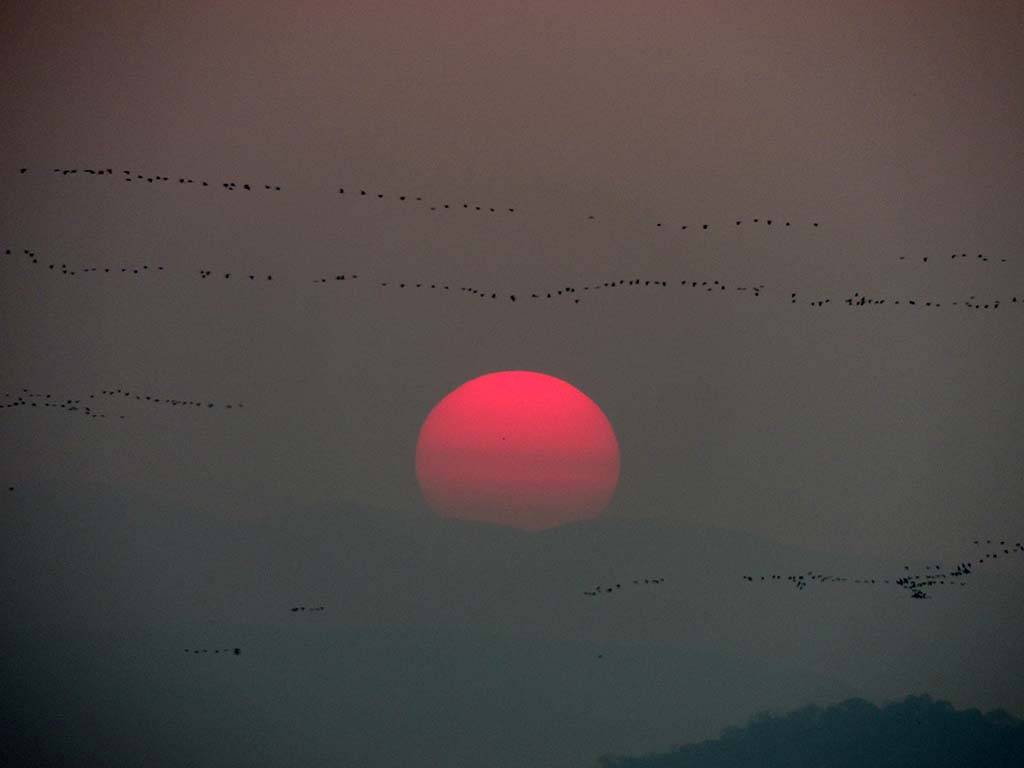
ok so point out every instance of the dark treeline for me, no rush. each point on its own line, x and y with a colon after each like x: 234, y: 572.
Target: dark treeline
x: 918, y: 732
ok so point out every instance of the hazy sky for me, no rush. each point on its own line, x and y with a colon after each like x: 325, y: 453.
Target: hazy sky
x: 879, y: 431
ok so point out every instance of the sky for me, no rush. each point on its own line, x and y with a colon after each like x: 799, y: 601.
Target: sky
x: 872, y: 436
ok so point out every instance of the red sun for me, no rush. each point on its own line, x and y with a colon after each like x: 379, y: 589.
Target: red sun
x: 517, y: 448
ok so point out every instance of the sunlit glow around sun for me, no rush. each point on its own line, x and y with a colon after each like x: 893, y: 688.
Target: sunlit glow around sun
x: 517, y: 448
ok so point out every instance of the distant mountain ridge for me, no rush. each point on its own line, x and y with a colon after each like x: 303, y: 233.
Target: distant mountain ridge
x: 918, y: 732
x: 102, y: 591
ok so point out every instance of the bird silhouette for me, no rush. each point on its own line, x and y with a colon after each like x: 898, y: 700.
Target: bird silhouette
x: 933, y: 574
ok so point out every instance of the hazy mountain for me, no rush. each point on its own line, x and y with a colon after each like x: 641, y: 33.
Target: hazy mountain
x: 102, y: 593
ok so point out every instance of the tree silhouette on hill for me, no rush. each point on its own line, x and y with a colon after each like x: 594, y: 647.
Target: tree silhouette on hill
x: 917, y: 732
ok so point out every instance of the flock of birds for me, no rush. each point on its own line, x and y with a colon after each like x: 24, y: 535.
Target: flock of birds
x: 575, y: 293
x: 707, y: 286
x: 28, y: 399
x: 84, y: 405
x: 238, y: 651
x: 858, y: 300
x: 233, y: 186
x: 603, y: 590
x: 124, y: 393
x: 129, y: 175
x: 916, y: 583
x: 565, y: 293
x: 955, y: 256
x: 62, y: 268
